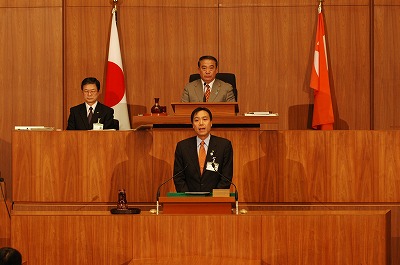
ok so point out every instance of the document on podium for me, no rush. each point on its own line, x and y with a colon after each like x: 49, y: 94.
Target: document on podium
x: 197, y: 192
x: 260, y: 113
x: 33, y: 128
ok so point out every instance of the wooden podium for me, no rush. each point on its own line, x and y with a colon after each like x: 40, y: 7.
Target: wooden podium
x: 216, y: 108
x: 197, y: 205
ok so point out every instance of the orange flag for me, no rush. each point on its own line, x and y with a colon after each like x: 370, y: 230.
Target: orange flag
x: 323, y: 112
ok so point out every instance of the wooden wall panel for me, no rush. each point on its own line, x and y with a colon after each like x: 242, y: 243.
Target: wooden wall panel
x: 256, y: 44
x: 386, y: 164
x: 386, y: 57
x: 226, y: 236
x: 341, y: 166
x: 35, y: 68
x: 82, y: 167
x: 246, y: 148
x: 134, y: 170
x: 270, y: 49
x: 30, y: 3
x: 386, y: 2
x: 327, y: 239
x: 302, y: 169
x: 268, y: 185
x: 25, y: 165
x: 30, y: 76
x: 348, y: 41
x: 73, y: 239
x: 350, y: 166
x: 284, y: 166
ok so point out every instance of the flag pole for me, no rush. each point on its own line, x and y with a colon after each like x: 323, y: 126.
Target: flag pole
x: 115, y: 11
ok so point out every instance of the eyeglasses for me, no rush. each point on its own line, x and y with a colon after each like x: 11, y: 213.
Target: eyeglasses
x: 87, y: 92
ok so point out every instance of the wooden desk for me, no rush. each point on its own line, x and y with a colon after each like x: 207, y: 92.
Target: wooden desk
x: 262, y: 122
x: 265, y: 237
x: 216, y: 108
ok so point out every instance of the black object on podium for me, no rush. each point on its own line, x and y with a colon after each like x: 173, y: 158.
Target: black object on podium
x: 122, y: 205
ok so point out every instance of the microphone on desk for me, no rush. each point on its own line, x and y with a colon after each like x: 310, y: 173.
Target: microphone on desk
x: 165, y: 182
x: 236, y: 191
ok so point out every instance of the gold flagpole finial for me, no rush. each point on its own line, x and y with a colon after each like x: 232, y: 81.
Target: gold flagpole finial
x: 320, y: 5
x: 115, y: 2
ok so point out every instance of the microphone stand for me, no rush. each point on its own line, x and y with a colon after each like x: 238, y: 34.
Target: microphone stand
x: 236, y: 191
x: 159, y: 187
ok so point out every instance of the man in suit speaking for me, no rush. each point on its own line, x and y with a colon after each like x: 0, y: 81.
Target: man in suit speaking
x: 198, y: 157
x: 83, y: 116
x: 207, y: 88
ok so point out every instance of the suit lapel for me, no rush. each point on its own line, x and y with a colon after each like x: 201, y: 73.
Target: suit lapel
x: 215, y: 90
x: 198, y: 88
x: 83, y: 115
x: 97, y: 113
x: 193, y: 154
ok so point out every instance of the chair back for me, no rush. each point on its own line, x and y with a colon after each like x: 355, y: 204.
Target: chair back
x: 115, y: 124
x: 226, y: 77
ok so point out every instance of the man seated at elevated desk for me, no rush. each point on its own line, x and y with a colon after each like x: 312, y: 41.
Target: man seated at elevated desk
x: 83, y: 116
x: 207, y: 88
x: 197, y: 157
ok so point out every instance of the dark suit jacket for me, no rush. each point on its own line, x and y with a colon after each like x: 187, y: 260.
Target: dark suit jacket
x: 78, y: 117
x: 221, y: 92
x: 190, y: 179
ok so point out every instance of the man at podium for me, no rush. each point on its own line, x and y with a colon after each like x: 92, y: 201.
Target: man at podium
x: 208, y: 88
x: 199, y: 157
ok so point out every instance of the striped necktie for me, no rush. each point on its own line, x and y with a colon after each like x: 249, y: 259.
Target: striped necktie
x: 207, y: 93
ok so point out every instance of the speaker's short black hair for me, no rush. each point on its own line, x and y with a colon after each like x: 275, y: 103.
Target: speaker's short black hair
x: 200, y: 109
x: 10, y: 256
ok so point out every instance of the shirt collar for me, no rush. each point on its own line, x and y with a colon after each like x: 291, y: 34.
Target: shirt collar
x: 93, y: 106
x: 206, y: 141
x: 210, y: 84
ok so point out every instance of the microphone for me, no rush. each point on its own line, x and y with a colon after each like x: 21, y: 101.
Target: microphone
x: 204, y: 94
x: 165, y: 182
x: 236, y: 191
x: 4, y: 195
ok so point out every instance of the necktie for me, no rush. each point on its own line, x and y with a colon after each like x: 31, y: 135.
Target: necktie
x: 90, y: 114
x: 207, y: 93
x: 202, y: 156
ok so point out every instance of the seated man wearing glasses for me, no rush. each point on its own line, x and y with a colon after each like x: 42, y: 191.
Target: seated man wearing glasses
x: 83, y: 116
